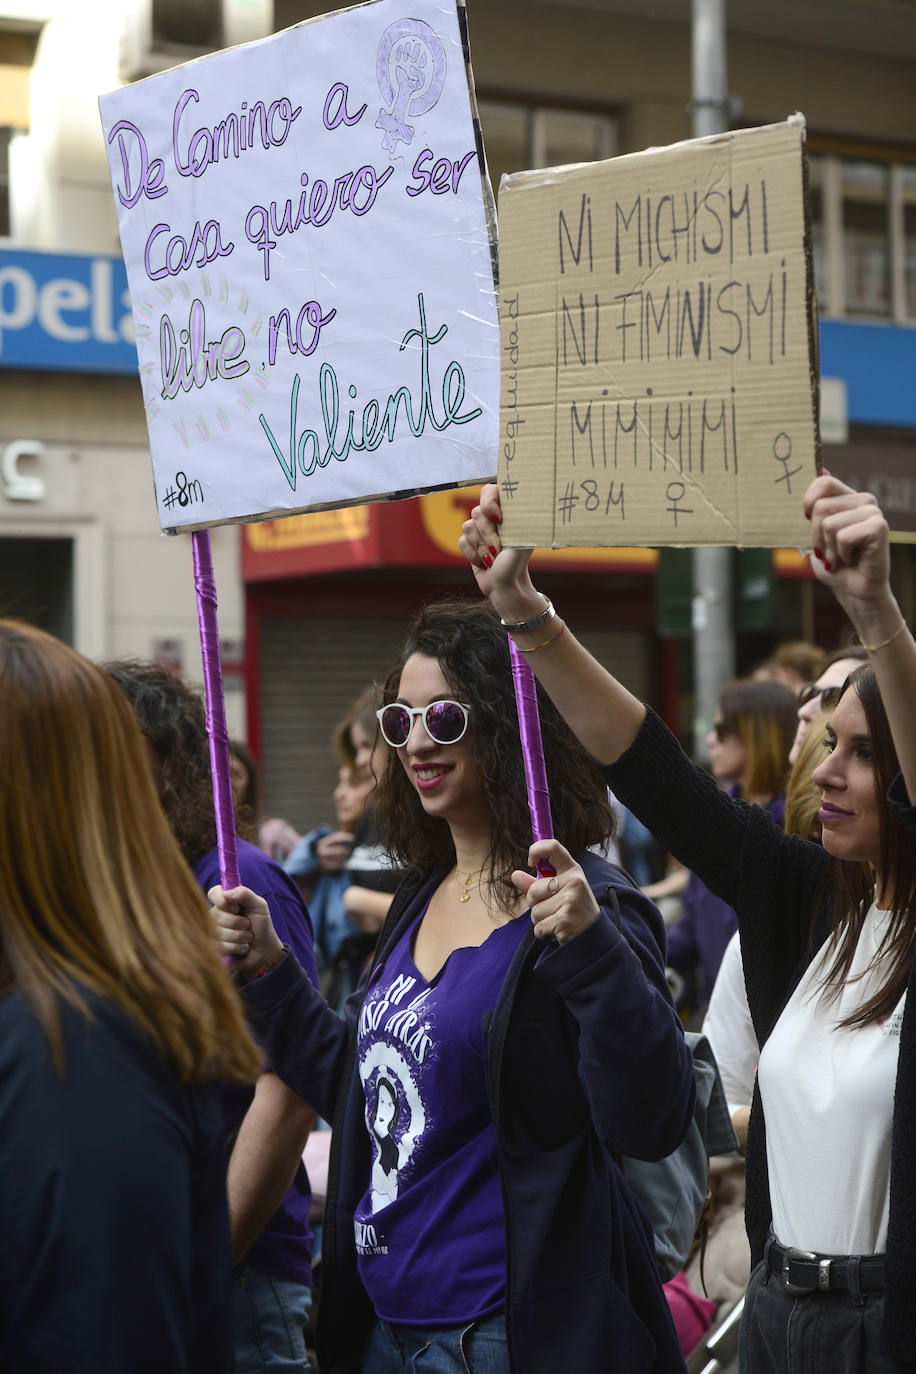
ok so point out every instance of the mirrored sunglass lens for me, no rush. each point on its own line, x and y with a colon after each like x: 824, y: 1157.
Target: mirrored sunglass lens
x: 395, y: 725
x: 445, y: 721
x: 806, y: 693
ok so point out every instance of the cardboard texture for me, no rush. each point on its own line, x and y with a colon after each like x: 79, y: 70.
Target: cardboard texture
x: 308, y: 234
x: 658, y: 340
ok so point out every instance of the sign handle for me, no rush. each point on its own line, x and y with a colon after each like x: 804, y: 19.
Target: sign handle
x: 223, y: 806
x: 529, y: 728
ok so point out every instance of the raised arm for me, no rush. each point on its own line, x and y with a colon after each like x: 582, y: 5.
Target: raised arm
x: 599, y: 709
x: 851, y: 556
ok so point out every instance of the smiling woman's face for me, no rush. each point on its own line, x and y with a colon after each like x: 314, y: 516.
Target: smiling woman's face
x: 849, y: 810
x: 445, y: 776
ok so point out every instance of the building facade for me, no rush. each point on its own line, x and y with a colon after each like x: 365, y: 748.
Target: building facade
x: 311, y: 608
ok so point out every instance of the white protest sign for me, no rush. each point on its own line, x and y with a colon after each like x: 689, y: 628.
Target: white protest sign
x: 659, y: 346
x: 304, y: 223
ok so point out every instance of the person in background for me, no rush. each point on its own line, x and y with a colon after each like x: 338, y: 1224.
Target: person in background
x: 265, y: 1129
x: 730, y: 1031
x: 116, y: 1020
x: 727, y: 1024
x: 374, y: 878
x: 794, y: 663
x: 275, y: 836
x: 490, y: 1062
x: 828, y: 934
x: 748, y: 753
x: 345, y: 874
x: 824, y: 693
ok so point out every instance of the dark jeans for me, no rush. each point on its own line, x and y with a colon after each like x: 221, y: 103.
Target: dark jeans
x: 271, y: 1315
x: 817, y: 1333
x: 473, y: 1348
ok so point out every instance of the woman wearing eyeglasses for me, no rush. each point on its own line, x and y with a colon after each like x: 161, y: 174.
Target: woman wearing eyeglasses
x: 824, y: 694
x: 828, y: 936
x: 491, y: 1062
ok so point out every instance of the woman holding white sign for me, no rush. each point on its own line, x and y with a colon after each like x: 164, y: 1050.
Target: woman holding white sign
x: 489, y: 1064
x: 828, y: 936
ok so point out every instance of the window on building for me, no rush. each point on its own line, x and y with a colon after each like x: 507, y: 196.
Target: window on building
x: 518, y: 135
x: 863, y: 223
x: 4, y: 182
x: 908, y: 189
x: 17, y: 54
x: 816, y: 203
x: 187, y: 23
x: 866, y: 238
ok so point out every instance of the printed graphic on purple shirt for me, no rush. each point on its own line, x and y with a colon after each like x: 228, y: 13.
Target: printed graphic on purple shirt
x: 429, y: 1229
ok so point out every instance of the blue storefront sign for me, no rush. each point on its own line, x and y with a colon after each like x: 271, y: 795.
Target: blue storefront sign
x: 66, y: 312
x: 878, y: 363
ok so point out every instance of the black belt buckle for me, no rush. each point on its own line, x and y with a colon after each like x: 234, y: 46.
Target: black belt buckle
x: 796, y: 1289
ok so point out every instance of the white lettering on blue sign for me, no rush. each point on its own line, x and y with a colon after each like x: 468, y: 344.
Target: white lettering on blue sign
x: 65, y: 312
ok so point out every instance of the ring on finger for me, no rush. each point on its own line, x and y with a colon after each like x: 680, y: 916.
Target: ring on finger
x: 553, y: 887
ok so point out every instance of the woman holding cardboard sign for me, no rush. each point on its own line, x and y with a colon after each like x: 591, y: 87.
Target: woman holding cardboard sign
x: 489, y: 1064
x: 831, y: 1202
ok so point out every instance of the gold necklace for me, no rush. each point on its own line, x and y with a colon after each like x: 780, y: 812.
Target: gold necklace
x: 468, y: 878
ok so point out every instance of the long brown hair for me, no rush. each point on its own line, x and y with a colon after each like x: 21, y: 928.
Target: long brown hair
x: 764, y: 717
x: 473, y: 652
x: 853, y: 883
x: 94, y: 893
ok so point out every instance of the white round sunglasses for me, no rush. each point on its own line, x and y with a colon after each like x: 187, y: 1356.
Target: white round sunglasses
x: 444, y: 721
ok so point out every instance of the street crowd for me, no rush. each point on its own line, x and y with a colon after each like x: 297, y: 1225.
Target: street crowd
x: 469, y: 1033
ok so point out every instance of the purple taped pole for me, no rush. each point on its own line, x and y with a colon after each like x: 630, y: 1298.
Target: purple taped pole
x: 529, y: 727
x: 223, y: 806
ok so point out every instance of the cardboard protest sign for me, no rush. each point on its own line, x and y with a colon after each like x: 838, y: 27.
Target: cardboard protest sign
x: 658, y: 338
x: 308, y: 238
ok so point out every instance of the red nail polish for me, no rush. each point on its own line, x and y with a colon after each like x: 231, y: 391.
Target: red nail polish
x: 807, y: 515
x: 492, y: 550
x: 827, y: 564
x: 499, y: 518
x: 818, y: 554
x: 486, y: 560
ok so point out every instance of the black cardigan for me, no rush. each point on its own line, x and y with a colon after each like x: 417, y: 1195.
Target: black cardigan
x: 586, y: 1027
x: 773, y: 881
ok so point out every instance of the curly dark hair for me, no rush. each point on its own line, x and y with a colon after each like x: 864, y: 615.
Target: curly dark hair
x: 172, y: 717
x: 472, y: 650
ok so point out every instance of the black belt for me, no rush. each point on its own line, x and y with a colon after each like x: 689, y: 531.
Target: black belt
x: 803, y: 1271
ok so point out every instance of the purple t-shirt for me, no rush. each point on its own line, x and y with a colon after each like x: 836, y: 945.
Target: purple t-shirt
x: 284, y: 1247
x: 430, y: 1232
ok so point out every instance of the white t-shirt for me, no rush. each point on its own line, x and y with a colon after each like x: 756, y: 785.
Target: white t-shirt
x: 730, y: 1031
x: 828, y: 1097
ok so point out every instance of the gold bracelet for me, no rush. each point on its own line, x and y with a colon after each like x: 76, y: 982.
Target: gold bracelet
x: 873, y: 648
x: 545, y: 642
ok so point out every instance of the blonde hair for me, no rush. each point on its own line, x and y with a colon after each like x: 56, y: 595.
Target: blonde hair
x: 94, y: 892
x: 802, y: 793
